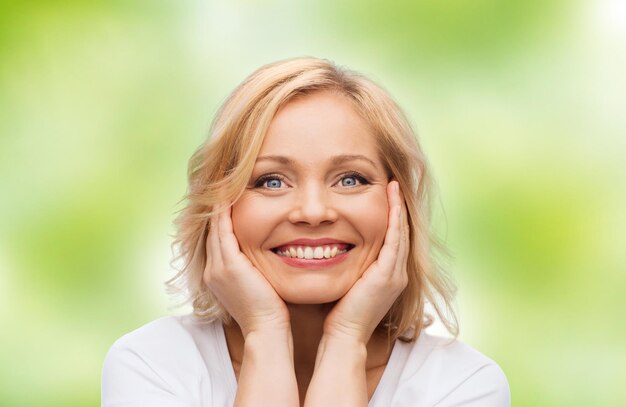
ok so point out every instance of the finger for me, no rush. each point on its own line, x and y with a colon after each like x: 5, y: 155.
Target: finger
x: 389, y: 251
x: 405, y: 243
x: 228, y: 242
x: 214, y: 242
x: 394, y: 195
x: 404, y: 231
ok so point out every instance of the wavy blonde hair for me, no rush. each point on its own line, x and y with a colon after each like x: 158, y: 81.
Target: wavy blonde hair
x: 221, y: 168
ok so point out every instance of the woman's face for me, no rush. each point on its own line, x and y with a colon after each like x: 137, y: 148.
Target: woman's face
x: 314, y: 214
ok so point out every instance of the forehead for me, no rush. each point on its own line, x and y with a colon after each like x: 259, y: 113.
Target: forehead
x: 318, y: 126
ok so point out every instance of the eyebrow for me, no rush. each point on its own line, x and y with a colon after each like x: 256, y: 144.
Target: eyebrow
x: 277, y: 158
x: 336, y: 160
x: 340, y: 159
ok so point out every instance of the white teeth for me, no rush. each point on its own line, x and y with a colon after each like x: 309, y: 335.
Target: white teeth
x: 318, y: 253
x: 308, y: 252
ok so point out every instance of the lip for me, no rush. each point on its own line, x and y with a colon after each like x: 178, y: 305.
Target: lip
x: 313, y: 263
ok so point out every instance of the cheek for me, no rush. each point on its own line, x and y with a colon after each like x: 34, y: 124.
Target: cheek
x: 252, y: 220
x: 370, y: 215
x: 242, y: 215
x: 377, y: 226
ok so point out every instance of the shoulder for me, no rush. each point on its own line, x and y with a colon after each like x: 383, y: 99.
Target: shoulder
x: 169, y: 340
x: 449, y: 372
x: 164, y: 358
x: 165, y: 331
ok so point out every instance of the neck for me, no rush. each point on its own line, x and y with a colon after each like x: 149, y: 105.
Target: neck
x: 307, y: 328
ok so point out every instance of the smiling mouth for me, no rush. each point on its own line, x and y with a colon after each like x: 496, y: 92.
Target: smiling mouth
x: 312, y: 252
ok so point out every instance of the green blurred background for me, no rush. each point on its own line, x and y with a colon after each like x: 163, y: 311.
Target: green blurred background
x: 520, y: 105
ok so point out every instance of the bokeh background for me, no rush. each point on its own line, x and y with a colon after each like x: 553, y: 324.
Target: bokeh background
x: 520, y: 105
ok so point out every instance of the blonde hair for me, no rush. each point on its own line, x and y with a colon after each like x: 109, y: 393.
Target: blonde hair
x: 221, y: 167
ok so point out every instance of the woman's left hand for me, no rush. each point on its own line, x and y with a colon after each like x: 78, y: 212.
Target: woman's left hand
x: 358, y: 313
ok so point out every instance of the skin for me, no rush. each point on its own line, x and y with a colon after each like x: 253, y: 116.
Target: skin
x: 304, y: 336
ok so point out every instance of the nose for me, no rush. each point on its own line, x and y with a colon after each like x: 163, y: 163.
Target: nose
x: 312, y: 206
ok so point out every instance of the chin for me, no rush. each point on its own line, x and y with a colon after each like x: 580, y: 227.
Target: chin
x: 311, y: 295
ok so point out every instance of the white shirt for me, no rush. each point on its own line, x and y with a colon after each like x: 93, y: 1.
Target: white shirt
x: 180, y: 361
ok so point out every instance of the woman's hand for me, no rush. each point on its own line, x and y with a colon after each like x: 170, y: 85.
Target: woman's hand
x: 266, y: 371
x: 238, y: 285
x: 358, y: 313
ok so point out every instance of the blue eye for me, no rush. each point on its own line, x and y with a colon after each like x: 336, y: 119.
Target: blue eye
x: 349, y: 181
x: 272, y: 183
x: 353, y: 180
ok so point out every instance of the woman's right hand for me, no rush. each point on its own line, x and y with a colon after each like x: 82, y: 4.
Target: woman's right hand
x: 266, y: 371
x: 240, y: 287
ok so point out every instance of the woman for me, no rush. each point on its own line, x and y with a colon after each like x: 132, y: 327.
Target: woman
x: 308, y: 261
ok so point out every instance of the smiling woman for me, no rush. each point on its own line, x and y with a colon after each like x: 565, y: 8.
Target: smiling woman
x: 308, y: 260
x: 317, y: 186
